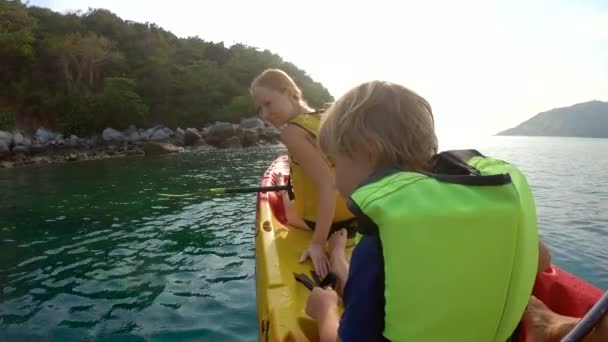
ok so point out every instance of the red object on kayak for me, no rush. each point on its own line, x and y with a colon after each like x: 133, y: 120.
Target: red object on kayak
x: 274, y: 198
x: 564, y: 294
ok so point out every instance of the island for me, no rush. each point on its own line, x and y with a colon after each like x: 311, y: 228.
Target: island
x: 587, y: 120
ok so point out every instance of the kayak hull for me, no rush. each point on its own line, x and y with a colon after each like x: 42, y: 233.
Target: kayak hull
x: 281, y: 300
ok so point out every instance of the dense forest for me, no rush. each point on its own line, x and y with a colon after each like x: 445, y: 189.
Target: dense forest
x: 81, y: 72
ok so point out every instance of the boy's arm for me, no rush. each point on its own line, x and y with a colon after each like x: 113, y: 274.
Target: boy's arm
x: 328, y: 327
x: 544, y: 257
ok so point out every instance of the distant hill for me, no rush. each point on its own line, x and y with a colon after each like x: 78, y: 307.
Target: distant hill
x: 588, y: 119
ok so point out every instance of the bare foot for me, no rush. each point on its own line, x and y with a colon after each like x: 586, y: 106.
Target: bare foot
x: 545, y: 325
x: 337, y: 242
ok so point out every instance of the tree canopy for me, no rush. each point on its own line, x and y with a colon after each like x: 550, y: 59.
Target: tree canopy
x: 82, y: 71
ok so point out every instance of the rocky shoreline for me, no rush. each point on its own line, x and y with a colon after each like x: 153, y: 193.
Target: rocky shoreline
x: 18, y: 148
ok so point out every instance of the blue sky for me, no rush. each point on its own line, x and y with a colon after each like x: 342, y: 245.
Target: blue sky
x: 484, y: 65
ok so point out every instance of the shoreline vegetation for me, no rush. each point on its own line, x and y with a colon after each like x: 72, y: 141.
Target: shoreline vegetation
x: 125, y: 86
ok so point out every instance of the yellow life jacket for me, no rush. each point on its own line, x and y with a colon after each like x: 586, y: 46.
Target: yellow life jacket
x: 305, y: 190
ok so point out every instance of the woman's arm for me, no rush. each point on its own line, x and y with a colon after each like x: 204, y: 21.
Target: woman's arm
x: 314, y: 165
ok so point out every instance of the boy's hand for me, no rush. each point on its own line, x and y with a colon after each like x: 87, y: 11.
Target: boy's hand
x: 321, y: 302
x: 316, y: 253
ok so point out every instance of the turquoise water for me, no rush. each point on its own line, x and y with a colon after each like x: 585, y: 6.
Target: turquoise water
x: 88, y: 251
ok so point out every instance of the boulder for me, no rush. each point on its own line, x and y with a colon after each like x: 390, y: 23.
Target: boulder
x: 7, y: 164
x: 18, y: 138
x: 135, y: 137
x: 249, y: 137
x: 7, y: 137
x: 158, y: 148
x: 232, y: 142
x: 73, y: 141
x: 21, y: 149
x: 129, y: 130
x: 71, y: 157
x: 41, y: 160
x: 4, y: 149
x: 252, y: 123
x: 192, y: 137
x: 219, y: 133
x: 270, y: 134
x: 37, y: 148
x: 160, y: 135
x: 43, y: 136
x: 112, y: 135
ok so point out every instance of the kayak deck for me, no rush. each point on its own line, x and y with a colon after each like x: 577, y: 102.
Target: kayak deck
x: 281, y: 300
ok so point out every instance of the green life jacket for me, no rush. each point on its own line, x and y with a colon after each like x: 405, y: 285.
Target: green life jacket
x: 460, y: 247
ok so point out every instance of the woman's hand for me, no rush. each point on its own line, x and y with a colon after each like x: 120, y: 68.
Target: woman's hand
x: 320, y: 262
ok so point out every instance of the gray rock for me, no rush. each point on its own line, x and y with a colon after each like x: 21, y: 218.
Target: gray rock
x: 4, y: 149
x: 41, y: 160
x: 136, y: 152
x: 249, y: 137
x: 147, y: 133
x: 252, y: 123
x: 74, y: 141
x: 18, y: 138
x: 160, y: 135
x: 192, y: 137
x: 21, y: 149
x: 129, y: 130
x: 37, y: 148
x: 7, y: 164
x: 7, y: 137
x: 158, y: 148
x: 180, y: 132
x: 232, y: 142
x: 43, y: 136
x: 27, y: 142
x: 135, y: 137
x: 220, y: 132
x: 110, y: 134
x: 270, y: 134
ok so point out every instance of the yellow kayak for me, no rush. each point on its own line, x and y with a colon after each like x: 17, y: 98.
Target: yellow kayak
x: 281, y: 300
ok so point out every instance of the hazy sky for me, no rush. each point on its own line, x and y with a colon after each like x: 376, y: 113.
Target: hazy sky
x: 483, y: 65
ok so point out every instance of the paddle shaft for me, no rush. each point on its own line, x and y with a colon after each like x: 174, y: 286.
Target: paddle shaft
x: 254, y: 189
x: 219, y: 191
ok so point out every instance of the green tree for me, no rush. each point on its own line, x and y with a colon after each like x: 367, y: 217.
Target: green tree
x: 82, y: 58
x: 54, y: 66
x: 118, y: 105
x: 16, y: 30
x: 238, y: 107
x: 199, y: 90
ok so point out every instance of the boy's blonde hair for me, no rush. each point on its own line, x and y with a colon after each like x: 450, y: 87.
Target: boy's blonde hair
x: 383, y: 122
x: 278, y: 80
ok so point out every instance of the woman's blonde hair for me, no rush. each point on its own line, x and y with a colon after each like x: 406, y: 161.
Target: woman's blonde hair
x: 382, y: 122
x: 278, y: 80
